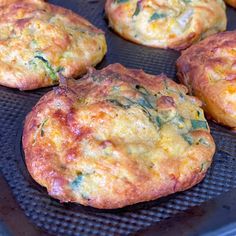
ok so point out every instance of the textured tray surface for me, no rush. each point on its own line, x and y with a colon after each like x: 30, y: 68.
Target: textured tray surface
x: 72, y: 219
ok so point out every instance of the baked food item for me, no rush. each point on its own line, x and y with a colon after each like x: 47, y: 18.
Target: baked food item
x: 231, y: 2
x: 38, y: 40
x: 208, y: 69
x: 117, y: 137
x: 166, y: 24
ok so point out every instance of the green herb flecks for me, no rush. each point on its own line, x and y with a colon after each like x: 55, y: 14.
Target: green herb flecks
x: 75, y: 184
x: 118, y: 103
x: 48, y: 67
x: 42, y: 127
x: 188, y: 138
x: 144, y: 103
x: 157, y: 16
x: 144, y: 99
x: 159, y: 121
x: 204, y: 142
x: 187, y: 1
x: 137, y: 9
x: 204, y: 166
x: 121, y: 1
x: 52, y: 73
x: 40, y: 130
x: 199, y: 124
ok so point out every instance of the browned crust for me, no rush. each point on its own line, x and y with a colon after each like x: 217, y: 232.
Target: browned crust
x: 216, y: 53
x: 14, y: 76
x: 53, y: 169
x: 121, y: 20
x: 231, y: 3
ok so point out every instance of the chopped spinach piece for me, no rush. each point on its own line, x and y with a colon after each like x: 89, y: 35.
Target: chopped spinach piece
x: 42, y: 127
x: 199, y: 124
x: 138, y: 8
x: 119, y: 104
x: 198, y: 114
x: 121, y: 1
x: 142, y: 90
x: 156, y: 16
x: 144, y: 103
x: 188, y: 138
x: 77, y: 181
x: 159, y: 121
x: 144, y: 100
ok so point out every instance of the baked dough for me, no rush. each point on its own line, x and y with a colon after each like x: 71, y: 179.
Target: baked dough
x: 117, y: 137
x: 208, y: 69
x: 166, y: 24
x: 38, y: 40
x: 231, y: 2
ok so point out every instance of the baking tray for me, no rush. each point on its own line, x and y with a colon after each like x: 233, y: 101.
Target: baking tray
x: 212, y: 197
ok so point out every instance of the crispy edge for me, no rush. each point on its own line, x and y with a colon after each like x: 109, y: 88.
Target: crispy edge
x: 196, y: 80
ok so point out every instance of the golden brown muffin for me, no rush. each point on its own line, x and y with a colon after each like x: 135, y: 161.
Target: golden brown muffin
x: 38, y: 40
x: 231, y: 2
x: 5, y: 2
x: 117, y: 137
x: 166, y: 24
x: 208, y: 69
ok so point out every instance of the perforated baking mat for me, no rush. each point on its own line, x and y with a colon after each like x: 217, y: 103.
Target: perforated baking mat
x: 74, y: 219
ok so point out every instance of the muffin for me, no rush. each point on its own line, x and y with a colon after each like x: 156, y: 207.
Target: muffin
x: 166, y: 24
x: 117, y: 137
x: 38, y: 40
x: 208, y: 69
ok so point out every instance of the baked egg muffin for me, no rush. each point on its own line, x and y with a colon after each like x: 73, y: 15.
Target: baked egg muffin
x: 172, y: 24
x: 38, y: 40
x: 117, y: 137
x: 231, y: 2
x: 208, y: 69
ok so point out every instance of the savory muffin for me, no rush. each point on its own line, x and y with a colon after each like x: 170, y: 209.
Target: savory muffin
x: 231, y: 2
x: 38, y: 40
x: 208, y: 69
x: 166, y: 24
x: 117, y: 137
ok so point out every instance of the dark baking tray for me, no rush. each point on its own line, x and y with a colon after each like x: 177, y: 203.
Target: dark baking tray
x: 206, y: 208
